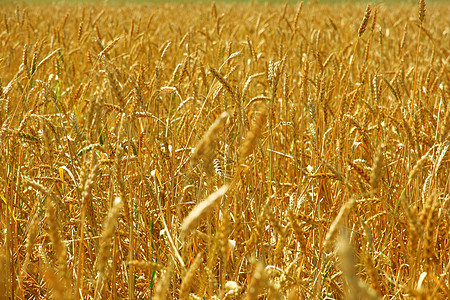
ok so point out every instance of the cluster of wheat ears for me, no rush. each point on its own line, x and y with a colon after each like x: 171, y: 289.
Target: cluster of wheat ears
x: 242, y: 151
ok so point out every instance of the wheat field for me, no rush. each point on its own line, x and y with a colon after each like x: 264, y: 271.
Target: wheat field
x: 241, y: 151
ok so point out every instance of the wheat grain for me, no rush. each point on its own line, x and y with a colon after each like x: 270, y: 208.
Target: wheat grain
x: 318, y: 122
x: 365, y: 20
x: 189, y: 277
x: 191, y: 220
x: 333, y: 230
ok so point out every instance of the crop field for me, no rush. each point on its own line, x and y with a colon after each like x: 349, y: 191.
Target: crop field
x: 224, y: 151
